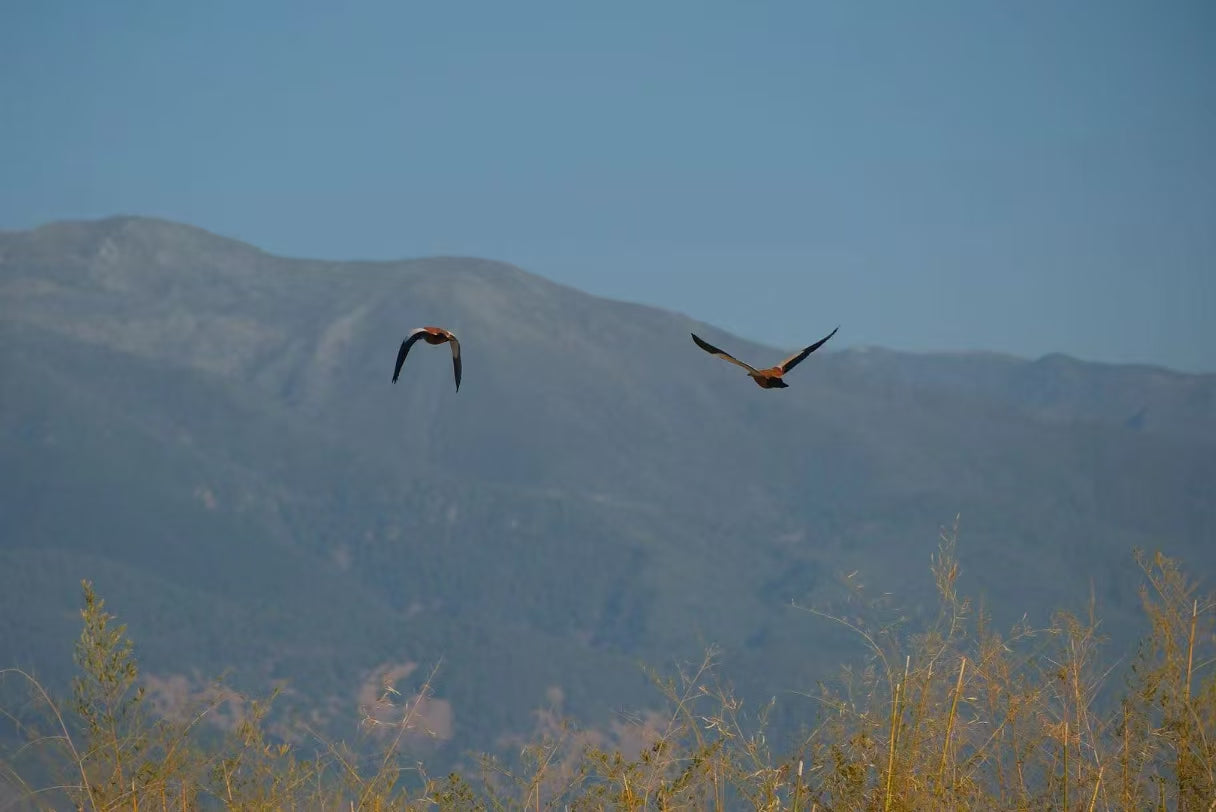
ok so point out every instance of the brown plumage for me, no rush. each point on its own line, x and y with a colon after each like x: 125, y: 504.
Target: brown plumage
x: 765, y: 378
x: 431, y: 335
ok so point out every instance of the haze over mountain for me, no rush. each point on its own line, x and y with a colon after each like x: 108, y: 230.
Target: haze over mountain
x: 208, y: 432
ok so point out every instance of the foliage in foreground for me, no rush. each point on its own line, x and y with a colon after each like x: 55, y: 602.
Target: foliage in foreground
x: 958, y: 716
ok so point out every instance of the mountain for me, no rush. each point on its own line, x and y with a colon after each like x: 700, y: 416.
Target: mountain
x: 209, y: 433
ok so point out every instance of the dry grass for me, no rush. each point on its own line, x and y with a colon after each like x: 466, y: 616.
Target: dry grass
x: 956, y: 716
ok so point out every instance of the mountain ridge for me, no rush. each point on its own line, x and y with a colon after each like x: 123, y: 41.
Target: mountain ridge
x: 219, y: 428
x: 101, y: 228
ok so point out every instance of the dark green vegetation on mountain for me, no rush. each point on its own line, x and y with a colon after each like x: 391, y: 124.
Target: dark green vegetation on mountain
x: 208, y: 433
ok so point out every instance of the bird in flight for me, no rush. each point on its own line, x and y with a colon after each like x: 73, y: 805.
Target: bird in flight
x: 765, y: 378
x: 431, y: 335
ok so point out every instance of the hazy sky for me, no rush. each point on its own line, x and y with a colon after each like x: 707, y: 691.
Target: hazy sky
x: 1027, y: 176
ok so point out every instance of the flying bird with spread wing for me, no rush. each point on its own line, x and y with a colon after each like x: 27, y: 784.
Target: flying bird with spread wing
x: 431, y: 335
x: 765, y: 378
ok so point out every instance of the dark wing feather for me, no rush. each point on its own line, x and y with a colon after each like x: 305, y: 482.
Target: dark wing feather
x: 795, y: 359
x: 455, y: 358
x: 725, y: 356
x: 405, y: 350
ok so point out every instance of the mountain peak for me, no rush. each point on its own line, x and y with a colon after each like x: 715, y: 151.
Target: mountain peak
x: 123, y: 254
x: 135, y: 232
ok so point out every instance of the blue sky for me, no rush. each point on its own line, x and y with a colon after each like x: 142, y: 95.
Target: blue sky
x: 1023, y: 177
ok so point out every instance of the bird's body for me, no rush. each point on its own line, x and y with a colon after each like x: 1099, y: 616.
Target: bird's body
x: 770, y: 378
x: 431, y: 335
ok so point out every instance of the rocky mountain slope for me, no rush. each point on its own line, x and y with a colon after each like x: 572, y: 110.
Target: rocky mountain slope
x: 209, y: 433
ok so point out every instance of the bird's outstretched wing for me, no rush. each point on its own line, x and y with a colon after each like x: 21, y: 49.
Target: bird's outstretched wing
x: 455, y: 358
x: 795, y: 359
x: 725, y: 356
x: 405, y: 349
